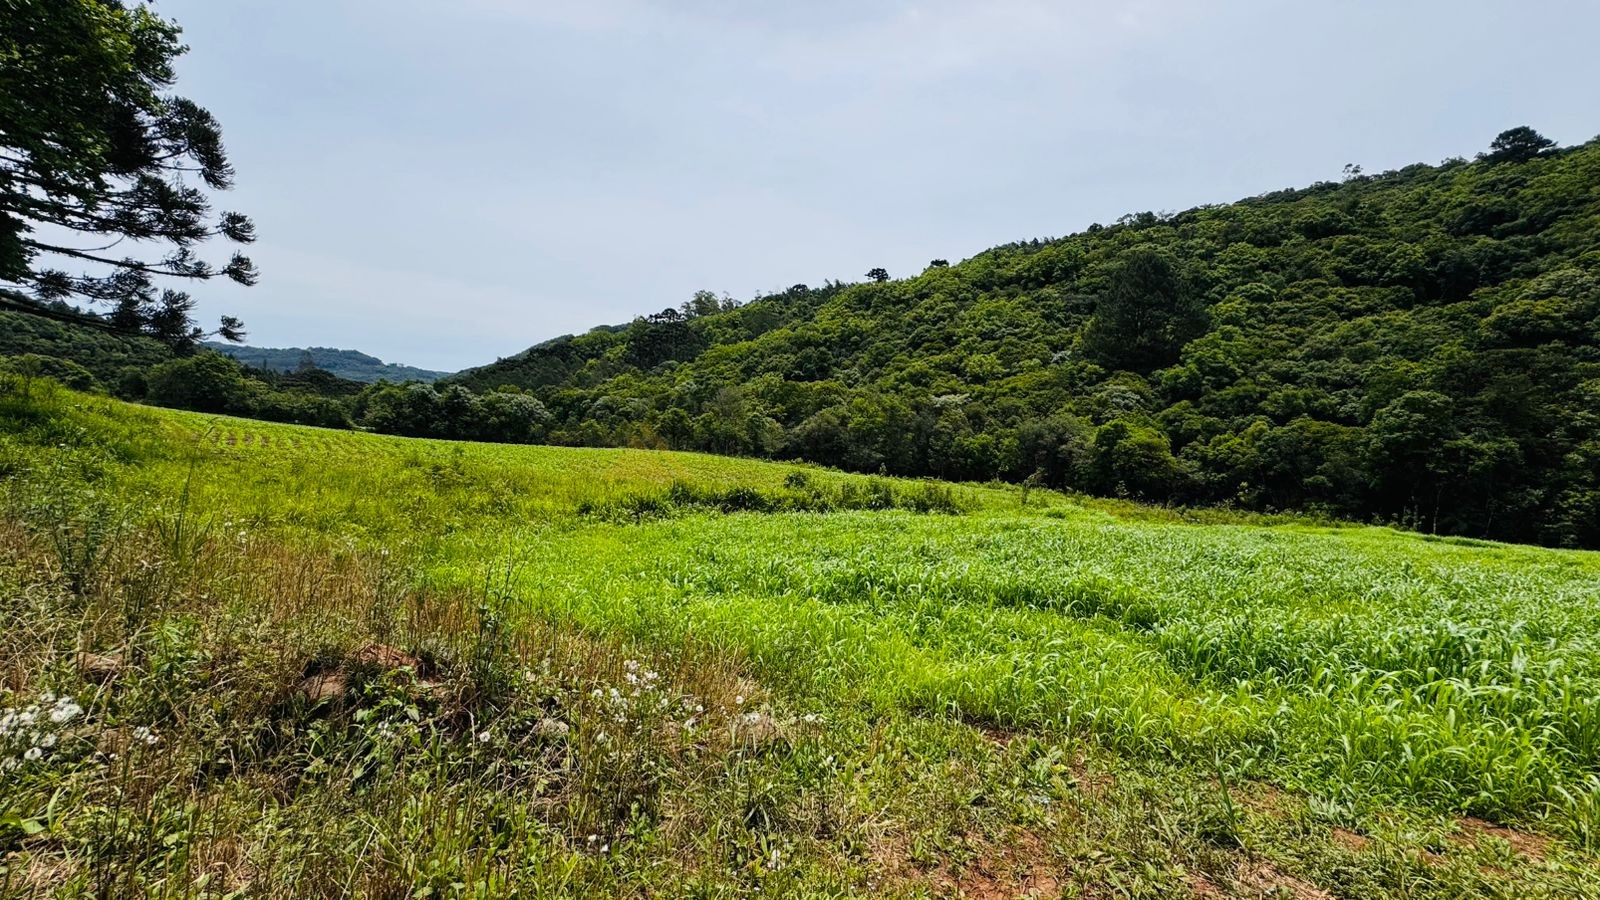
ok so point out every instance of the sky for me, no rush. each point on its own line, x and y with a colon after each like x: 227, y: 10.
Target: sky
x: 444, y: 183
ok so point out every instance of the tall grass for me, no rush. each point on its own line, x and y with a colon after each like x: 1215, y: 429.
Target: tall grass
x: 322, y: 663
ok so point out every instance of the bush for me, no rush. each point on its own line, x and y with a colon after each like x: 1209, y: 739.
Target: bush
x: 63, y: 371
x: 205, y: 382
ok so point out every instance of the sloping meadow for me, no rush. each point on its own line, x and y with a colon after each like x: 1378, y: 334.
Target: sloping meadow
x: 232, y: 649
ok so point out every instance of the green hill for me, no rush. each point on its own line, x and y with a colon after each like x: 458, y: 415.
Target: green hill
x: 1419, y: 346
x: 351, y: 365
x: 105, y: 353
x: 275, y: 660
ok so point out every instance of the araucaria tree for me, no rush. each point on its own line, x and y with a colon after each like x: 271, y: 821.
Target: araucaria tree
x: 98, y: 160
x: 1146, y: 315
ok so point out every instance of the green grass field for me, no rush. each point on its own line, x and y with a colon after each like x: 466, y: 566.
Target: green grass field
x: 322, y: 663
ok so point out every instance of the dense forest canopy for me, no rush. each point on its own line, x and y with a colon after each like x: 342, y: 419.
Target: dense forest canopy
x: 1419, y: 346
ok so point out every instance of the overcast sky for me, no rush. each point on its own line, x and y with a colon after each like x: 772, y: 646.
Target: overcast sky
x: 442, y: 183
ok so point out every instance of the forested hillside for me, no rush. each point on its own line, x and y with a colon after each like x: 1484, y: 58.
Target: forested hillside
x: 1418, y: 346
x: 103, y: 352
x: 352, y: 365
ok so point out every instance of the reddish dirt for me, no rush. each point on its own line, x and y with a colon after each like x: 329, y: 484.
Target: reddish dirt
x: 385, y: 657
x: 1533, y: 846
x: 999, y: 736
x: 1262, y: 878
x: 99, y: 667
x: 323, y: 686
x: 1253, y: 877
x: 1018, y: 867
x: 1350, y: 840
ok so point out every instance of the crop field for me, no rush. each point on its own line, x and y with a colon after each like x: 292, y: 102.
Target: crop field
x: 245, y: 659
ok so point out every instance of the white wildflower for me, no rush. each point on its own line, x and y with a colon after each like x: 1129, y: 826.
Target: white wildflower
x: 33, y: 754
x: 483, y: 737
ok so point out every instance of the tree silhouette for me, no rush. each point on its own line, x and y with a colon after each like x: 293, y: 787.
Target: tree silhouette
x: 92, y: 148
x: 879, y: 275
x: 1518, y: 144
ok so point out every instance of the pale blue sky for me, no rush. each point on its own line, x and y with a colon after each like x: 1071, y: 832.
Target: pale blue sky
x: 441, y: 183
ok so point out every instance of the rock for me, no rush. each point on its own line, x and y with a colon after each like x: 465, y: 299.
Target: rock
x: 551, y: 728
x: 383, y: 656
x: 332, y: 684
x: 322, y: 687
x: 99, y: 667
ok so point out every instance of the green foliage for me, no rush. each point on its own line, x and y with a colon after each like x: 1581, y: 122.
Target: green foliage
x: 1269, y: 354
x: 104, y: 353
x: 63, y: 371
x: 1146, y: 316
x: 340, y: 663
x: 94, y: 145
x: 206, y: 382
x: 1518, y: 144
x: 798, y: 494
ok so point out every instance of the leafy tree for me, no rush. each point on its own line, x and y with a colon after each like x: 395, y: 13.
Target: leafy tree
x: 676, y: 428
x: 1146, y: 315
x: 665, y: 336
x: 703, y: 303
x: 1136, y: 459
x: 64, y: 371
x: 1059, y: 449
x: 1518, y: 144
x: 94, y: 151
x: 208, y: 382
x: 878, y: 275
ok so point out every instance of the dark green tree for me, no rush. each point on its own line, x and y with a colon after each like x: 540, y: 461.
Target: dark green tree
x: 208, y: 382
x: 94, y: 151
x: 1518, y: 144
x: 879, y: 274
x: 1145, y: 316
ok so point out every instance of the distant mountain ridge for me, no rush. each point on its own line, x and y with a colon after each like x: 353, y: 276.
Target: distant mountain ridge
x: 350, y: 364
